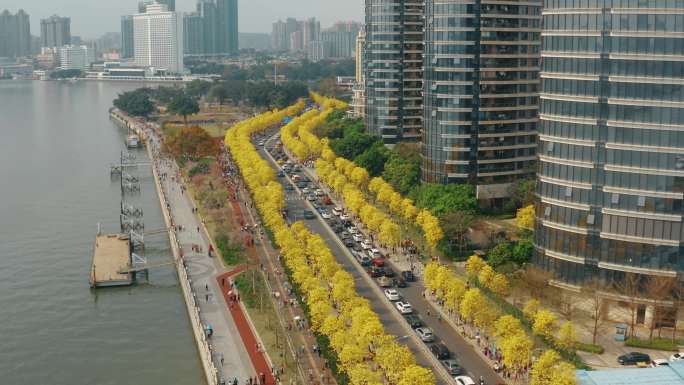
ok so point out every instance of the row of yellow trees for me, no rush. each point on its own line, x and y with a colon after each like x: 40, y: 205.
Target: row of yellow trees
x: 474, y: 307
x: 365, y: 352
x: 337, y: 172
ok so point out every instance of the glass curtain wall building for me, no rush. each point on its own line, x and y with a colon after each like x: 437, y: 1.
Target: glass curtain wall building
x: 611, y: 148
x: 394, y: 61
x: 481, y: 82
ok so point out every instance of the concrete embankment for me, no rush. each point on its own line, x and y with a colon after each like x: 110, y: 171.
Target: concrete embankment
x: 152, y: 146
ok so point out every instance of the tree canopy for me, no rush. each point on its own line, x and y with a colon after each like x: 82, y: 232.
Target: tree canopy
x: 184, y: 105
x: 193, y: 142
x: 135, y: 103
x: 443, y: 199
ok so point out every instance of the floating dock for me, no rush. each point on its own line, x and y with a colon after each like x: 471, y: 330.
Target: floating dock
x: 111, y: 261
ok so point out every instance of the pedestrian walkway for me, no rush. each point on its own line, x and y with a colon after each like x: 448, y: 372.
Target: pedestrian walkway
x: 230, y: 355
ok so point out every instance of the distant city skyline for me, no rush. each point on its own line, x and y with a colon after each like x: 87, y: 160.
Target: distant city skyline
x: 91, y: 19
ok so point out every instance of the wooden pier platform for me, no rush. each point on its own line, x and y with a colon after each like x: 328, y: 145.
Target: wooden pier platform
x: 111, y: 261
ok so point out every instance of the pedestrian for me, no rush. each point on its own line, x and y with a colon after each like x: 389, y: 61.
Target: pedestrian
x: 207, y: 297
x: 198, y: 230
x: 221, y: 358
x: 206, y: 286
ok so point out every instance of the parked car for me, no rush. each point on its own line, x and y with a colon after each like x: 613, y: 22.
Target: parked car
x: 408, y: 275
x: 659, y: 362
x: 308, y: 214
x: 337, y: 228
x: 392, y: 294
x: 464, y: 380
x: 413, y: 320
x: 378, y: 261
x: 376, y: 272
x: 366, y: 245
x: 306, y: 178
x: 425, y: 334
x: 319, y: 193
x: 404, y: 308
x: 306, y: 191
x: 327, y: 201
x: 337, y: 211
x: 288, y: 187
x: 677, y: 357
x: 440, y: 351
x: 452, y: 366
x: 281, y: 174
x: 311, y: 198
x: 348, y: 242
x: 399, y: 282
x: 301, y: 184
x: 361, y: 258
x: 345, y: 217
x: 389, y: 273
x: 345, y: 235
x: 353, y: 230
x: 633, y: 358
x: 357, y: 237
x: 384, y: 282
x: 326, y: 215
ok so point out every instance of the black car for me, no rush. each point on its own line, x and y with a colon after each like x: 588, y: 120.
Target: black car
x: 452, y: 366
x: 399, y: 282
x: 301, y: 184
x: 281, y: 174
x: 376, y: 272
x: 349, y: 242
x: 408, y: 275
x: 288, y: 187
x: 389, y: 273
x: 308, y: 214
x: 633, y: 358
x: 338, y: 229
x: 413, y: 320
x: 440, y: 351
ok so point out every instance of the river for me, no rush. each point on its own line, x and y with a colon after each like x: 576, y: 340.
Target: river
x: 56, y: 145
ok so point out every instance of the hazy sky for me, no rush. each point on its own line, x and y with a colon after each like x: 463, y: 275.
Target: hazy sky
x: 92, y: 18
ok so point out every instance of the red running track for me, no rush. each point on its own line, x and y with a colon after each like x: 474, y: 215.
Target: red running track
x: 248, y: 338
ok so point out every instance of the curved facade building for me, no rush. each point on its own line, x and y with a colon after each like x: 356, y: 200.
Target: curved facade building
x: 481, y: 83
x: 394, y: 61
x: 611, y: 144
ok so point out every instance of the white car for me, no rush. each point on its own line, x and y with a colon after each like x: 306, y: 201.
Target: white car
x: 366, y: 245
x: 319, y: 193
x: 404, y: 307
x: 677, y: 357
x: 345, y: 217
x: 353, y: 230
x: 464, y: 380
x: 425, y: 334
x: 305, y: 191
x: 337, y: 211
x: 326, y: 215
x: 357, y: 237
x: 392, y: 295
x: 375, y: 251
x: 659, y: 362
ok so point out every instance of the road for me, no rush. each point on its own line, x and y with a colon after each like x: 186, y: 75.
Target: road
x: 471, y: 361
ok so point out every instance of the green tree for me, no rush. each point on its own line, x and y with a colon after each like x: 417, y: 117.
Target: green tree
x: 402, y: 173
x: 183, y: 105
x: 374, y: 158
x: 135, y: 103
x: 197, y: 88
x: 500, y: 254
x: 443, y: 199
x: 352, y: 144
x: 456, y: 225
x: 218, y: 93
x: 521, y: 252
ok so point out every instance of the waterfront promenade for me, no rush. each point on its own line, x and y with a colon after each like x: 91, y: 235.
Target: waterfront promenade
x: 226, y: 354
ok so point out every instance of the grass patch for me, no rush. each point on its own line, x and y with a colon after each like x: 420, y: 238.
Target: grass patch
x: 656, y: 343
x: 231, y: 252
x: 591, y: 348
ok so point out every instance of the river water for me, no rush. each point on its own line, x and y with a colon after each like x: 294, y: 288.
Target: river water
x: 56, y: 145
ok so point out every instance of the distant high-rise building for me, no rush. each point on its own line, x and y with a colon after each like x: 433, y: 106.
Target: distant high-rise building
x: 359, y: 91
x: 193, y: 34
x: 611, y: 144
x: 297, y: 41
x: 227, y: 26
x: 311, y: 32
x: 75, y: 57
x: 481, y: 77
x: 159, y: 39
x: 207, y: 9
x: 280, y: 40
x: 15, y: 34
x: 340, y: 39
x: 394, y: 63
x: 127, y: 37
x: 142, y: 5
x: 55, y: 31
